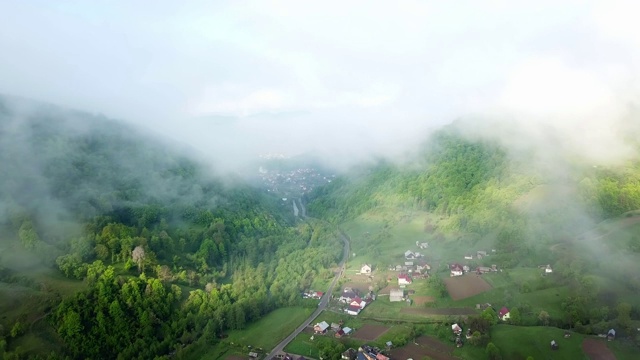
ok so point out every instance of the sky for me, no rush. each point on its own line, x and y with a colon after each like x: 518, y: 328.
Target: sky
x: 345, y: 79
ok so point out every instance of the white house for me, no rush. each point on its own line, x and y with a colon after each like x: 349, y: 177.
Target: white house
x: 396, y: 295
x: 409, y: 255
x: 548, y: 269
x: 456, y: 270
x: 504, y: 314
x: 365, y: 269
x: 468, y: 257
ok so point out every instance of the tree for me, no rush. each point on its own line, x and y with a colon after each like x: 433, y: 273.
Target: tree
x: 544, y: 318
x: 71, y: 325
x: 138, y: 256
x: 17, y: 329
x: 493, y: 352
x: 490, y: 315
x: 514, y: 316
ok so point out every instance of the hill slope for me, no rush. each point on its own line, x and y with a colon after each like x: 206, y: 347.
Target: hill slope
x: 108, y: 235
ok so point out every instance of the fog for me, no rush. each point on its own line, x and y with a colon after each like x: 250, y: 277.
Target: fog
x: 347, y: 81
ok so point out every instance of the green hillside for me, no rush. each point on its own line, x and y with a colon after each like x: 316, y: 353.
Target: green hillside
x: 115, y: 245
x: 464, y: 195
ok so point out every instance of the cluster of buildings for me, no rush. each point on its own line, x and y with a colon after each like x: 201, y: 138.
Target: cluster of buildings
x: 365, y: 352
x: 355, y: 302
x: 312, y: 294
x: 323, y: 327
x: 414, y: 266
x: 294, y: 182
x: 459, y: 270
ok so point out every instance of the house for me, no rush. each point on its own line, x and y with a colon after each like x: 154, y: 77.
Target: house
x: 554, y: 345
x: 481, y: 254
x: 321, y: 328
x: 389, y: 344
x: 253, y: 354
x: 466, y: 268
x: 404, y: 279
x: 409, y: 255
x: 350, y: 354
x: 468, y: 257
x: 611, y: 335
x: 422, y: 245
x: 339, y: 334
x: 357, y: 301
x: 504, y: 314
x: 483, y: 270
x: 456, y: 269
x: 335, y: 326
x: 408, y: 263
x: 365, y: 269
x: 396, y: 295
x: 348, y: 294
x: 421, y: 267
x: 456, y: 329
x: 548, y: 269
x: 347, y: 330
x: 353, y: 310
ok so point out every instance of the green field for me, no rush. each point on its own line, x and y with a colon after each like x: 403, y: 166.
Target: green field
x: 518, y: 342
x: 267, y: 332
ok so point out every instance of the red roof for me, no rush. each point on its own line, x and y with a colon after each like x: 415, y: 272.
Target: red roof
x: 319, y: 293
x: 404, y: 276
x: 456, y: 267
x: 354, y: 308
x: 504, y: 311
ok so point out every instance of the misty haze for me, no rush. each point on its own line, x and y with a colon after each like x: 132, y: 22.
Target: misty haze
x: 305, y: 180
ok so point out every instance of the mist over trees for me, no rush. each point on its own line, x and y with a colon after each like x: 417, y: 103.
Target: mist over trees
x: 169, y: 256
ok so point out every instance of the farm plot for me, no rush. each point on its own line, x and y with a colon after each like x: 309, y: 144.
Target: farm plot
x: 370, y: 332
x: 596, y: 349
x: 424, y: 346
x: 462, y: 287
x: 421, y: 300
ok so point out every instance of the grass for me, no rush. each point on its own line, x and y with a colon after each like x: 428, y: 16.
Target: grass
x: 518, y: 342
x: 267, y: 332
x: 303, y: 345
x: 623, y: 350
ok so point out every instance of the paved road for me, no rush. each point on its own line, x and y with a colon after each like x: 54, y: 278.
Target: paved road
x: 323, y: 302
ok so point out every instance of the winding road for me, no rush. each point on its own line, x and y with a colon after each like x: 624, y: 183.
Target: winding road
x: 323, y: 302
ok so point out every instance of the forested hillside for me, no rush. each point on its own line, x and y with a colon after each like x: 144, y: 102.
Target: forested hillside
x: 477, y: 186
x: 115, y: 245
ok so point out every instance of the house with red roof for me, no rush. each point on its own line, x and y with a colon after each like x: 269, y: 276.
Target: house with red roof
x: 504, y: 314
x: 353, y: 310
x: 404, y: 279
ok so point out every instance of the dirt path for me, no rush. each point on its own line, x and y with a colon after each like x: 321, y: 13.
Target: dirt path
x: 596, y: 349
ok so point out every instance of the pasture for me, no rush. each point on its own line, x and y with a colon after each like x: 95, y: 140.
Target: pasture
x: 518, y: 342
x: 271, y: 329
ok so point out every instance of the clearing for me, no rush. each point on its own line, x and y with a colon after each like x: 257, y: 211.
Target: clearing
x: 518, y: 342
x: 370, y: 332
x: 596, y: 349
x: 462, y: 287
